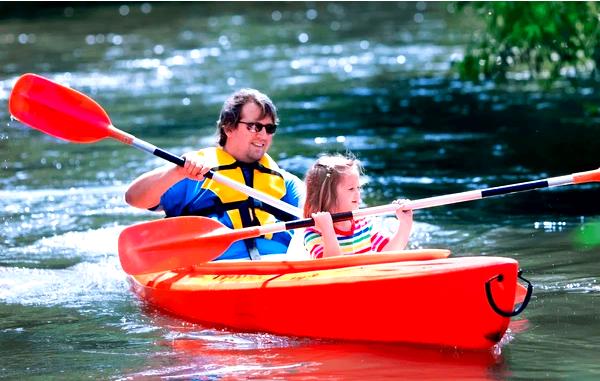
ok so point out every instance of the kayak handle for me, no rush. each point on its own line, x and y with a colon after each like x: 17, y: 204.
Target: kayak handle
x: 498, y: 310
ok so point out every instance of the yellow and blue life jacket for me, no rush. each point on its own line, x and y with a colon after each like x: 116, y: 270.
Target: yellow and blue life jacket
x: 233, y: 208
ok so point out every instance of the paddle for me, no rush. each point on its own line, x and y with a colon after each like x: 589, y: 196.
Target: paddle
x: 70, y: 115
x: 177, y: 242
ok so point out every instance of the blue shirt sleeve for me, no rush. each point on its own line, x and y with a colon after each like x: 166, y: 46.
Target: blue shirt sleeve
x: 177, y: 198
x: 295, y: 190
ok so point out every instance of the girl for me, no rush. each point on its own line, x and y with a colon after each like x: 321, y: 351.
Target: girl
x: 333, y: 186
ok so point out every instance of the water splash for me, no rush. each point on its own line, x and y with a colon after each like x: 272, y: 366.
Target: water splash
x: 577, y: 285
x: 80, y: 286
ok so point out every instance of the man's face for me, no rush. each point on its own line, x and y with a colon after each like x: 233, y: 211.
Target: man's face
x: 245, y: 145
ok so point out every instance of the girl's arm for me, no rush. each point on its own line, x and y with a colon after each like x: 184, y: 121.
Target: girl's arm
x: 324, y: 223
x: 399, y: 240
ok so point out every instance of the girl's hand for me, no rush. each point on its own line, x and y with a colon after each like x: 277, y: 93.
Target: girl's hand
x: 399, y: 239
x: 324, y: 224
x: 194, y: 167
x: 404, y: 216
x: 323, y: 221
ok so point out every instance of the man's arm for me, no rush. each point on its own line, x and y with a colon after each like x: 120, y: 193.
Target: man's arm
x: 145, y: 191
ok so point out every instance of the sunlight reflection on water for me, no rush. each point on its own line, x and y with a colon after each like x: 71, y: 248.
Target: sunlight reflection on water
x: 365, y: 77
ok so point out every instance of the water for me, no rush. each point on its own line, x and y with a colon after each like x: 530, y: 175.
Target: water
x: 367, y: 77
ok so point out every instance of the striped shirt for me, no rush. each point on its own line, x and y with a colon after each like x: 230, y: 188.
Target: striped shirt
x: 360, y: 239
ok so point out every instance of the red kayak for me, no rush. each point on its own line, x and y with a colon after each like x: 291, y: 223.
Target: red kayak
x: 419, y: 297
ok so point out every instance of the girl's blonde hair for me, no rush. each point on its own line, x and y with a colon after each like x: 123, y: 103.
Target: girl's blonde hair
x: 322, y: 179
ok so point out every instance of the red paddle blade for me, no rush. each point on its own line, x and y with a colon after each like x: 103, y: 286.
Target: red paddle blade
x: 172, y: 243
x: 587, y: 177
x: 57, y: 110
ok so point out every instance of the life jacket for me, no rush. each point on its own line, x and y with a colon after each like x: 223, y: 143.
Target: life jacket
x: 243, y: 211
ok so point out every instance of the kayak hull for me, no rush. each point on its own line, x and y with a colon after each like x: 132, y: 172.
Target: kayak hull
x: 440, y: 302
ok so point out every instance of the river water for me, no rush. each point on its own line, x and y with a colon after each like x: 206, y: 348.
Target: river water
x: 370, y: 78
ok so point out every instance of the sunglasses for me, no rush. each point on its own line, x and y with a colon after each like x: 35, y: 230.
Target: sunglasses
x: 257, y: 127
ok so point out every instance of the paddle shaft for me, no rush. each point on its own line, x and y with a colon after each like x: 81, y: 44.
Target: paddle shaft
x: 187, y: 240
x: 140, y: 144
x: 576, y: 178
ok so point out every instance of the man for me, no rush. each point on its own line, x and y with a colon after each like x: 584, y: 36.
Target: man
x: 246, y: 126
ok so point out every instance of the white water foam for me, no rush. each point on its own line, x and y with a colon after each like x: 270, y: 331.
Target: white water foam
x: 83, y: 283
x: 80, y: 285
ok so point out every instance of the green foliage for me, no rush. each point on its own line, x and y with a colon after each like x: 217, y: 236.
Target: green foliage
x: 524, y: 40
x: 588, y: 236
